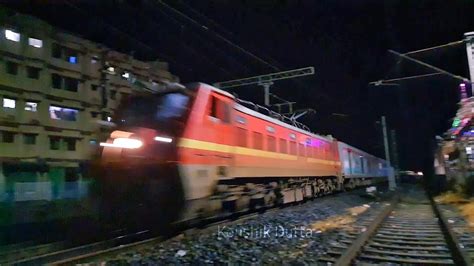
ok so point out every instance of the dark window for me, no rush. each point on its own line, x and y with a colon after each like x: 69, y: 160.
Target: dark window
x: 54, y: 143
x: 106, y: 116
x: 12, y: 68
x: 56, y: 81
x: 292, y: 148
x: 301, y: 150
x: 158, y: 109
x: 94, y: 114
x: 283, y: 148
x: 271, y: 145
x: 241, y: 137
x: 113, y: 94
x: 56, y: 50
x: 220, y: 109
x: 71, y: 84
x: 70, y: 144
x: 94, y: 87
x: 29, y: 139
x: 257, y: 141
x: 8, y: 137
x: 33, y: 72
x: 71, y: 174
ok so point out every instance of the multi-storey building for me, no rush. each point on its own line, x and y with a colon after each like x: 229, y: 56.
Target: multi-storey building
x: 57, y: 93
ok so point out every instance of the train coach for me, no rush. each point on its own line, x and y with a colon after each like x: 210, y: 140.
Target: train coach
x: 198, y: 151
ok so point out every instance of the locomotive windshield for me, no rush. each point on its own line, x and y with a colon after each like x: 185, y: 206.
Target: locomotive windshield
x: 164, y: 111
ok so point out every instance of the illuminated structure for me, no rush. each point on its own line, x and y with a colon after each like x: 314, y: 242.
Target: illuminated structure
x: 57, y: 93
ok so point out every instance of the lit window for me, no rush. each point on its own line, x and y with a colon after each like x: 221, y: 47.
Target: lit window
x: 94, y: 59
x: 111, y: 70
x: 35, y: 42
x: 93, y: 142
x: 62, y: 113
x: 73, y: 60
x: 12, y: 36
x: 9, y: 103
x: 31, y: 106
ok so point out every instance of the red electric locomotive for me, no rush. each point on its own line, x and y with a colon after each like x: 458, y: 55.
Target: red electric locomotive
x: 198, y: 151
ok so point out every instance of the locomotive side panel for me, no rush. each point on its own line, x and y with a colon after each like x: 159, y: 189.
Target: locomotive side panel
x: 206, y: 147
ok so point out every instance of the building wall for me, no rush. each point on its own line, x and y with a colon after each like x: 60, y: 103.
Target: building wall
x: 39, y: 79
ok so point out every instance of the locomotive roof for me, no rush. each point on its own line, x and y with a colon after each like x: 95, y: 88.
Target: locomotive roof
x: 268, y: 118
x: 278, y: 122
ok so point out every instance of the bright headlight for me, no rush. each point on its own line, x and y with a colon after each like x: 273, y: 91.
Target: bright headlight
x: 163, y: 139
x: 125, y: 143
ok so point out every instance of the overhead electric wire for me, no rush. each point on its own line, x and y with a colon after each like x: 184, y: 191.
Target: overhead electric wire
x: 416, y: 52
x: 243, y: 66
x: 191, y: 50
x: 435, y: 47
x: 429, y: 66
x: 380, y: 82
x: 221, y: 28
x: 129, y: 36
x: 205, y: 28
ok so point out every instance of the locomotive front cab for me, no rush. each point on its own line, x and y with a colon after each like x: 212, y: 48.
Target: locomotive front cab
x: 139, y: 179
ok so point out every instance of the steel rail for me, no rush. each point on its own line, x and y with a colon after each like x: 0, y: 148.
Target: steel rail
x: 353, y: 251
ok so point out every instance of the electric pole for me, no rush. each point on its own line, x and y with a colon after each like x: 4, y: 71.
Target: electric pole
x: 470, y: 55
x: 391, y: 178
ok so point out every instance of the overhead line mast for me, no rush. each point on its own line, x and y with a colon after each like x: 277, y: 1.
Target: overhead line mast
x: 266, y: 80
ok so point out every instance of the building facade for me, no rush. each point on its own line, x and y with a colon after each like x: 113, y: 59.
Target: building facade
x: 58, y: 92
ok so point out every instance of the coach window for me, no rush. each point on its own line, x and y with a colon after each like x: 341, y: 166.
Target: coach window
x: 271, y: 144
x: 220, y: 110
x: 292, y: 147
x: 283, y: 148
x: 241, y: 137
x: 257, y: 141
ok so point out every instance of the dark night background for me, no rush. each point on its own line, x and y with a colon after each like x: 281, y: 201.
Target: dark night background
x: 346, y: 41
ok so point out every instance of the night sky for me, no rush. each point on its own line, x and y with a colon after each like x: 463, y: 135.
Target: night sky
x: 346, y: 41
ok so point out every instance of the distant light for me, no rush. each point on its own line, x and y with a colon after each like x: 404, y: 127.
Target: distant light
x: 468, y: 150
x: 163, y: 139
x: 419, y: 173
x: 111, y: 70
x: 126, y: 75
x: 125, y: 143
x: 12, y: 36
x: 109, y: 119
x: 35, y: 42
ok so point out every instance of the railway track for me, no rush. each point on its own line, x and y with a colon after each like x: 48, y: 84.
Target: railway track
x: 409, y: 231
x: 69, y: 255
